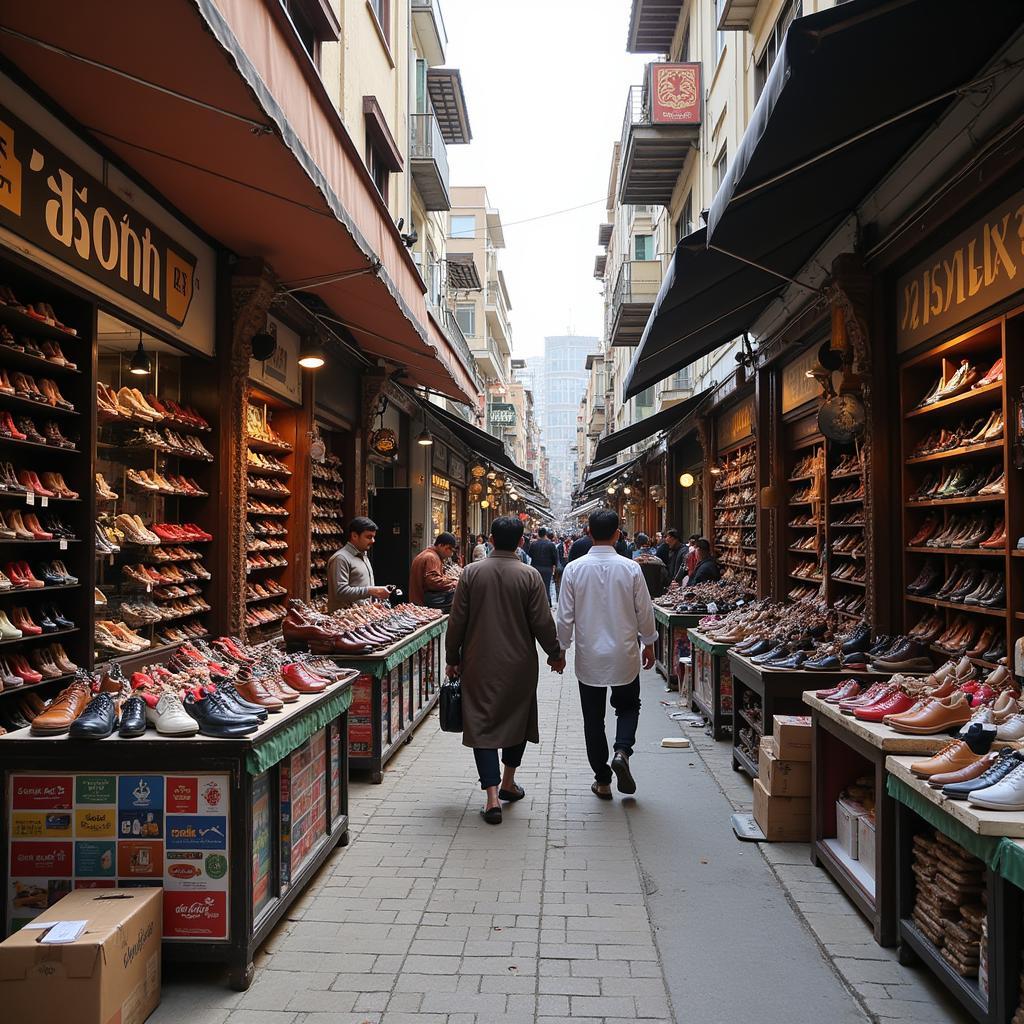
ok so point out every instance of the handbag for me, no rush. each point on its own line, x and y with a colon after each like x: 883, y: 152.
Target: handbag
x: 450, y: 705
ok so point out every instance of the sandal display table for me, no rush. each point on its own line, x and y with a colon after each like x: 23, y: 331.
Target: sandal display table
x: 673, y: 641
x: 842, y: 749
x: 232, y: 829
x: 712, y: 682
x: 986, y: 835
x: 394, y: 691
x: 775, y: 692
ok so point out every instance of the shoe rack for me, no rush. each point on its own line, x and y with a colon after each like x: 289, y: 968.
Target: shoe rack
x: 272, y: 525
x: 328, y: 519
x: 846, y: 588
x: 734, y: 514
x: 958, y: 558
x: 45, y: 485
x: 153, y: 452
x: 806, y: 539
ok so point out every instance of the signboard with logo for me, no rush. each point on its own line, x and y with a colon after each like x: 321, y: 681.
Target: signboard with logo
x: 66, y: 207
x: 674, y: 92
x: 501, y: 414
x: 797, y: 387
x: 980, y: 267
x: 280, y: 374
x: 736, y: 424
x: 100, y: 831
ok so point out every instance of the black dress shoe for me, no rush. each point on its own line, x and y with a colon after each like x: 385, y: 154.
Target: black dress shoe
x: 776, y: 652
x: 997, y: 597
x: 58, y: 617
x: 859, y: 639
x: 856, y: 661
x: 882, y: 644
x: 1005, y: 763
x: 492, y: 816
x: 761, y: 647
x: 237, y: 703
x: 623, y: 776
x: 827, y: 663
x: 510, y: 796
x: 48, y: 575
x: 47, y: 624
x: 97, y: 721
x: 133, y: 718
x: 795, y: 660
x: 214, y: 721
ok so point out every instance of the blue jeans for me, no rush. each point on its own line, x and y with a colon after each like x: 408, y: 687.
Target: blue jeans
x: 626, y: 702
x: 487, y: 763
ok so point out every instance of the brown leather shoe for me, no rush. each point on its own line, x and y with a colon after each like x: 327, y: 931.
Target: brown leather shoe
x: 951, y: 758
x: 936, y: 715
x: 965, y: 774
x: 255, y: 693
x: 63, y: 710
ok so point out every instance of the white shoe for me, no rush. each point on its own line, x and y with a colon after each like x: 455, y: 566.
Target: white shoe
x: 1012, y: 729
x: 1005, y: 795
x: 8, y: 631
x: 170, y: 718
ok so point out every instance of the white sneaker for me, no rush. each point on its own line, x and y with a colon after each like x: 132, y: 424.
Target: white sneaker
x: 1012, y: 729
x: 170, y: 717
x: 1005, y: 795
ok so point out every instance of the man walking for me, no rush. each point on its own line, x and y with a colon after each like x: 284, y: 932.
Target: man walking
x: 498, y: 617
x: 580, y: 546
x: 605, y: 603
x: 544, y: 557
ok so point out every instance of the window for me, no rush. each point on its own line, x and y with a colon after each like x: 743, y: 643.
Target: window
x: 382, y: 12
x: 465, y: 317
x: 383, y: 157
x: 378, y: 171
x: 684, y: 225
x: 314, y: 24
x: 721, y: 167
x: 792, y: 10
x: 643, y: 247
x: 463, y: 227
x: 719, y: 36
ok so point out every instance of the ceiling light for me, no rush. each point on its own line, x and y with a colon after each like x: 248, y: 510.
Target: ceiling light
x: 311, y: 356
x: 141, y: 365
x: 686, y: 480
x: 425, y: 439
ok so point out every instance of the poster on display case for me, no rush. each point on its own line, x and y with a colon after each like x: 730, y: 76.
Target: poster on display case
x: 307, y: 793
x: 360, y: 717
x: 260, y: 842
x: 78, y: 831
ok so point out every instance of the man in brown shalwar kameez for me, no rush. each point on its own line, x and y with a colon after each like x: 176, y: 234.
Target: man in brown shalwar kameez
x: 499, y: 614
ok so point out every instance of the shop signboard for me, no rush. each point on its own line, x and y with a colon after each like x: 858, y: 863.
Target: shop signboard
x: 103, y: 830
x: 69, y: 209
x: 456, y: 468
x: 501, y: 414
x: 979, y: 268
x: 736, y: 424
x: 439, y: 456
x: 280, y: 373
x: 674, y: 93
x: 797, y: 387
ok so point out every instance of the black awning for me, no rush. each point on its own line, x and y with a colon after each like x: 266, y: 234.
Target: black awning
x: 636, y: 432
x: 599, y: 477
x: 705, y: 300
x: 852, y: 90
x: 490, y: 448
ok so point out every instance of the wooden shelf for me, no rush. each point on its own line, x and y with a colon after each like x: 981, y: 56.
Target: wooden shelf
x: 972, y: 552
x: 969, y: 398
x: 35, y: 686
x: 804, y: 551
x: 52, y: 635
x: 30, y: 325
x: 953, y: 453
x: 35, y: 445
x: 976, y: 499
x: 28, y: 406
x: 807, y: 579
x: 849, y: 583
x: 259, y: 445
x: 999, y: 613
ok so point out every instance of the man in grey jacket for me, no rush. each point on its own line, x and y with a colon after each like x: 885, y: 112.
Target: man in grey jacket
x: 349, y: 572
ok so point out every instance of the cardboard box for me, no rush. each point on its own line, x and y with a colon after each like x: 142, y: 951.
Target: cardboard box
x: 866, y: 843
x: 111, y: 972
x: 783, y: 778
x: 848, y: 812
x: 792, y: 737
x: 768, y: 746
x: 782, y: 819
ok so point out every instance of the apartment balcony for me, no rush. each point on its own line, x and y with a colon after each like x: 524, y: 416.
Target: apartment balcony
x: 458, y: 342
x: 490, y: 359
x: 496, y: 309
x: 675, y: 389
x: 636, y: 288
x: 429, y: 158
x: 604, y: 234
x: 596, y: 424
x: 426, y: 16
x: 600, y: 263
x: 652, y: 25
x: 660, y: 127
x: 737, y: 15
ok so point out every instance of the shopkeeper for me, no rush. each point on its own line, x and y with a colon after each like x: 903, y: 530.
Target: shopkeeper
x: 350, y: 572
x: 430, y: 584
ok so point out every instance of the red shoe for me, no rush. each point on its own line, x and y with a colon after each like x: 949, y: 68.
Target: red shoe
x: 20, y: 667
x: 7, y: 422
x: 849, y: 689
x: 875, y: 692
x: 14, y: 575
x: 30, y: 580
x: 196, y: 532
x: 895, y: 704
x: 298, y: 677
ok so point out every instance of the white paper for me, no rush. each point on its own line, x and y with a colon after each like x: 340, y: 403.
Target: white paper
x: 45, y: 502
x: 37, y: 925
x: 30, y: 498
x: 64, y: 931
x: 63, y: 545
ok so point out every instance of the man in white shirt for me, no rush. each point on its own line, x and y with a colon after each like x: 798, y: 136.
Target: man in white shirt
x: 605, y: 601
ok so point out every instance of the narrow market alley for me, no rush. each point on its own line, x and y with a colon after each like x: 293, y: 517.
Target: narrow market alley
x: 573, y: 910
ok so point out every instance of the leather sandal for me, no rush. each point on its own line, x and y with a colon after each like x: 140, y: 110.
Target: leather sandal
x: 491, y: 816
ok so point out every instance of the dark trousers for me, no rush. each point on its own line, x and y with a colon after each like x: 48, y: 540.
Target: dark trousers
x: 545, y: 575
x: 626, y: 702
x: 487, y: 763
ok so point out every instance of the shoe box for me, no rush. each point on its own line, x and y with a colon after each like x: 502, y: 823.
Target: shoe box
x: 782, y: 819
x: 110, y: 972
x: 779, y: 777
x: 792, y: 735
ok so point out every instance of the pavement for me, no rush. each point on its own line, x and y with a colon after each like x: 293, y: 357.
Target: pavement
x: 573, y: 911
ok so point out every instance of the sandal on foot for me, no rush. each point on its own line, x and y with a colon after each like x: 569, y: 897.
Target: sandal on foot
x: 510, y: 796
x: 598, y: 793
x: 492, y: 816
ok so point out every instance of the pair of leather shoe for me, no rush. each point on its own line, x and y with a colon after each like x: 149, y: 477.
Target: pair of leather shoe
x: 64, y: 708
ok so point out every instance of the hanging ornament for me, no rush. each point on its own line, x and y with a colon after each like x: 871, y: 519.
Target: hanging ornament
x: 384, y: 441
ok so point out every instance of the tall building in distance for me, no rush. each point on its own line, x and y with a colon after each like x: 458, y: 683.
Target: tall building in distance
x: 560, y: 381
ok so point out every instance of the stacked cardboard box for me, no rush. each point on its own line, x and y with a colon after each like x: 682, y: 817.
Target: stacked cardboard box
x: 782, y: 791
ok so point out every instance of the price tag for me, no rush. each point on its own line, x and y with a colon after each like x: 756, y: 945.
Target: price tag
x: 712, y: 608
x: 149, y: 588
x: 30, y: 498
x: 740, y: 603
x: 64, y: 546
x: 45, y: 502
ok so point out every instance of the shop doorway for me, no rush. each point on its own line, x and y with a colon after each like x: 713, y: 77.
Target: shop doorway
x: 391, y: 510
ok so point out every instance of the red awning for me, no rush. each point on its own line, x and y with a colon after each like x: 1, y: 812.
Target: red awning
x: 240, y: 135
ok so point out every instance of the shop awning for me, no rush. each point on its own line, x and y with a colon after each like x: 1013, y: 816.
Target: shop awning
x: 218, y: 108
x: 706, y: 299
x: 598, y: 478
x: 488, y: 447
x: 637, y: 432
x: 852, y: 90
x: 586, y: 508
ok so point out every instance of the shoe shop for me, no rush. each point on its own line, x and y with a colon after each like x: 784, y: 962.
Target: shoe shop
x: 199, y: 366
x: 863, y: 473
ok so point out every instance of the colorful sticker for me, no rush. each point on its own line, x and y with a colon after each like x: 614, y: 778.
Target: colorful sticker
x: 182, y: 796
x: 95, y: 859
x: 41, y: 825
x: 140, y: 859
x: 195, y: 915
x: 197, y: 832
x: 41, y: 792
x: 95, y: 789
x: 95, y: 822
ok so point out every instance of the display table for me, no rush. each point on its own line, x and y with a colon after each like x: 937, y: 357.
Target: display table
x: 712, y: 682
x: 775, y: 692
x: 980, y: 832
x: 844, y: 748
x: 394, y: 691
x: 673, y: 642
x: 232, y: 829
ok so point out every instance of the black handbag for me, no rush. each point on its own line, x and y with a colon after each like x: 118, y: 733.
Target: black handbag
x: 450, y: 706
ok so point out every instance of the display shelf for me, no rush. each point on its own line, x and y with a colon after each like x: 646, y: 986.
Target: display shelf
x: 977, y: 396
x: 28, y: 406
x: 55, y: 540
x: 25, y: 687
x: 36, y: 446
x: 266, y: 492
x: 22, y: 322
x: 266, y: 471
x: 953, y: 453
x: 965, y: 989
x: 20, y: 592
x: 746, y: 718
x: 972, y: 552
x: 973, y: 608
x: 19, y: 497
x: 849, y: 583
x: 852, y: 867
x: 259, y: 445
x: 53, y: 635
x: 975, y: 499
x: 748, y: 764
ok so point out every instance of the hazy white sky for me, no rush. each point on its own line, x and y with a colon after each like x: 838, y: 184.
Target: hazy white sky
x: 546, y: 84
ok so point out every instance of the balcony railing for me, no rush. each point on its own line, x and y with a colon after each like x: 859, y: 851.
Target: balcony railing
x: 459, y: 343
x: 429, y: 155
x: 636, y: 288
x: 486, y: 350
x: 430, y: 22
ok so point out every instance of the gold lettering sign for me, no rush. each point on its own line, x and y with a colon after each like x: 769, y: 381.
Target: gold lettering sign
x: 980, y: 267
x: 736, y: 424
x: 49, y: 200
x: 797, y: 387
x: 438, y: 482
